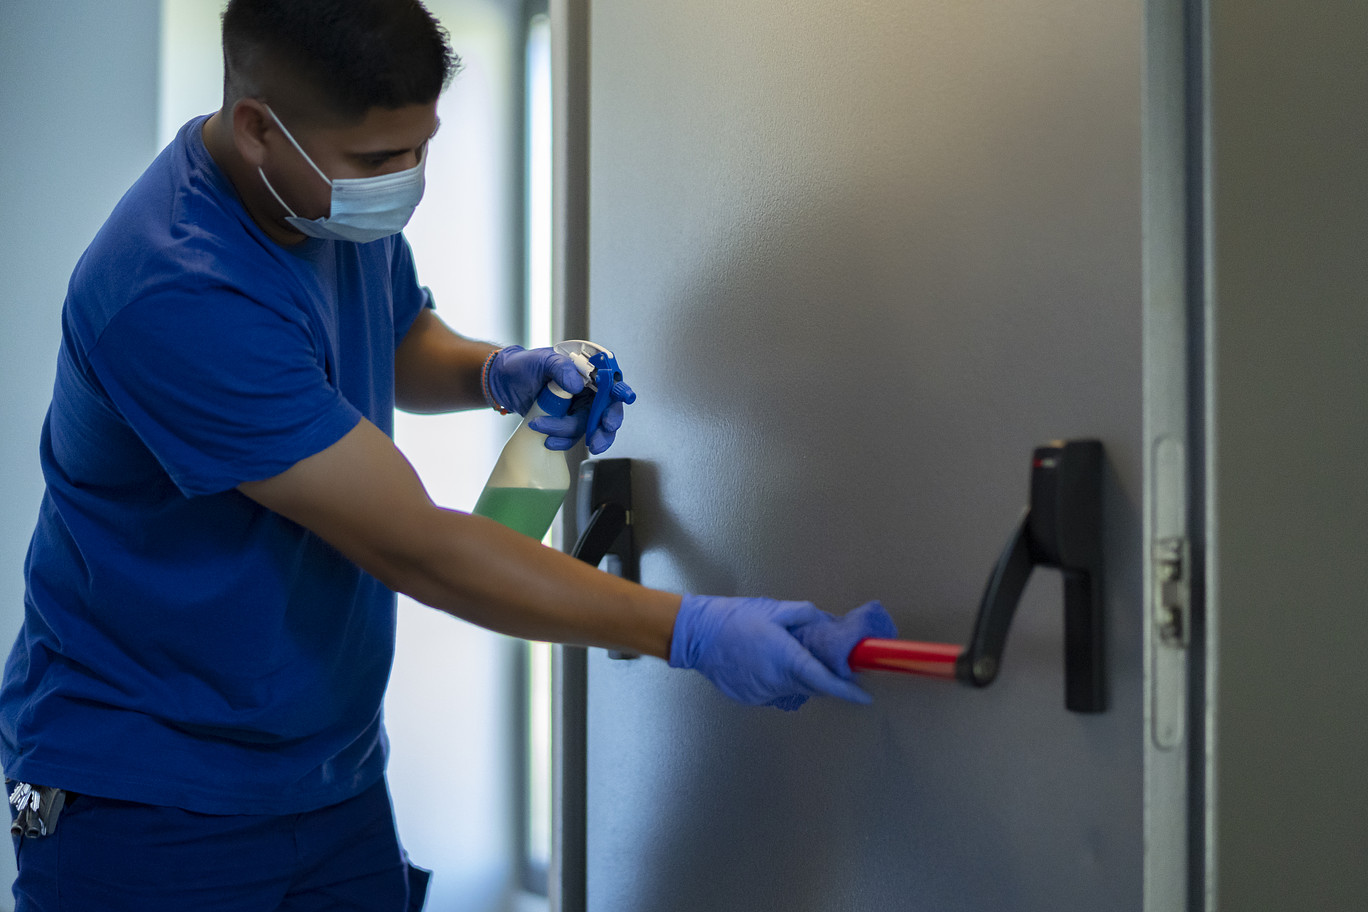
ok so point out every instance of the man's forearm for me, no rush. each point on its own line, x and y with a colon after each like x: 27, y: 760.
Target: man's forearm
x: 480, y: 571
x: 437, y: 370
x: 361, y: 496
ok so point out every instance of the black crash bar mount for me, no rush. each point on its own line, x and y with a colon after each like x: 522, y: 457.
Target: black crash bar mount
x: 1062, y: 529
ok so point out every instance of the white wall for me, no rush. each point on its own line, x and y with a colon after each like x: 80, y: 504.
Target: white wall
x: 78, y: 115
x: 78, y: 111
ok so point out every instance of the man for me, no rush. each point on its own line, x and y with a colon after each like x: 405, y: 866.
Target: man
x: 190, y: 717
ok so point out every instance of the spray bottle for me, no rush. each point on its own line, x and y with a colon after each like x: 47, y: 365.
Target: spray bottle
x: 529, y: 482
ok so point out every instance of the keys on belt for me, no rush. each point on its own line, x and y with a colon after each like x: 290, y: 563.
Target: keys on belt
x: 38, y: 808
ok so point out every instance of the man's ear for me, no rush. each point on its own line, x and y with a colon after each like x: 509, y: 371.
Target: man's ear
x: 250, y: 123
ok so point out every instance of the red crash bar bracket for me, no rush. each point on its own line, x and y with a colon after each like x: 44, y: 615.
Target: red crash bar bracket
x: 1062, y: 529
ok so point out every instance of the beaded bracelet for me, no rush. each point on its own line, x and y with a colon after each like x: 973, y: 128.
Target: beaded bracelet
x: 484, y: 383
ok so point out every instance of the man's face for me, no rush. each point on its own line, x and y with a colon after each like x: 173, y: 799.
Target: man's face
x: 385, y: 141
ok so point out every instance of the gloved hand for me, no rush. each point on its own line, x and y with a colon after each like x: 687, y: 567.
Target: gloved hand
x: 750, y: 649
x: 562, y: 433
x: 517, y: 375
x: 832, y: 642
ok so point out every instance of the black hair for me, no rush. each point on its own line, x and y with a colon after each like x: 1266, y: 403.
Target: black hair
x: 355, y: 54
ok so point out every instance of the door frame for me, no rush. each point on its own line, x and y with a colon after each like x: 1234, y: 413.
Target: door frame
x: 570, y: 316
x: 1173, y: 143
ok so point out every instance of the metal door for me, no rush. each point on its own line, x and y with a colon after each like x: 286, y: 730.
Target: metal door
x: 858, y: 259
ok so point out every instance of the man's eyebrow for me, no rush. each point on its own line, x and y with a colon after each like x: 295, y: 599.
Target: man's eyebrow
x: 395, y: 153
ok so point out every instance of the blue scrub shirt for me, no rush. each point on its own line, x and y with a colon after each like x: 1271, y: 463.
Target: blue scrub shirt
x: 182, y: 645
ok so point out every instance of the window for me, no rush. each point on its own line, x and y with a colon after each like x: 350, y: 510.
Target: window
x: 538, y: 748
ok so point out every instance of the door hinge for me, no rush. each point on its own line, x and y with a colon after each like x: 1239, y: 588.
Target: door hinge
x: 1172, y: 562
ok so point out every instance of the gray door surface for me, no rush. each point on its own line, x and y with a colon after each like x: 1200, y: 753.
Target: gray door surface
x: 858, y: 259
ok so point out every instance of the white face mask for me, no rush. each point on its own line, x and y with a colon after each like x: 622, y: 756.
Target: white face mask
x: 363, y: 209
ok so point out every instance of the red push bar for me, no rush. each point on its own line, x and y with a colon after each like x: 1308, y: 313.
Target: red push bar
x: 935, y: 660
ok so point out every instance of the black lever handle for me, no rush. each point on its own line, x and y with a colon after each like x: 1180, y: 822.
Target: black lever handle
x: 604, y: 528
x: 978, y: 665
x: 604, y: 514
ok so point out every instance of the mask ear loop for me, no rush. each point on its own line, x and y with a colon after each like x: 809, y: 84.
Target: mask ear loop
x: 276, y: 195
x: 295, y: 143
x: 290, y: 136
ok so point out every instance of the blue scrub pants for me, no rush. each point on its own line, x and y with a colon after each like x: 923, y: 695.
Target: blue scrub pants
x: 117, y: 856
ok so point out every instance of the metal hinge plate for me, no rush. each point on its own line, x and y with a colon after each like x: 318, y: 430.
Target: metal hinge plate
x: 1170, y: 622
x: 1172, y: 559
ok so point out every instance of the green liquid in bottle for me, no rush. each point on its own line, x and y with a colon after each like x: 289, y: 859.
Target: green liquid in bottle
x: 526, y: 510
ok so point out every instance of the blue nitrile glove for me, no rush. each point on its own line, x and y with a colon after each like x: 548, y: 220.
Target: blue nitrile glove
x: 748, y: 648
x: 833, y: 641
x: 562, y: 433
x: 517, y: 375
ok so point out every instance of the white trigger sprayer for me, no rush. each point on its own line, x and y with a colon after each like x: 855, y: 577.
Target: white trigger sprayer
x: 529, y: 482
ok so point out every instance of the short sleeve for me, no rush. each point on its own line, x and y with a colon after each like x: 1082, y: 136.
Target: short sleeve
x: 220, y: 388
x: 409, y: 297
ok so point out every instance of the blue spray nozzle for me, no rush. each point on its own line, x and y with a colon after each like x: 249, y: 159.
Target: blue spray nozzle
x: 602, y: 375
x: 608, y: 387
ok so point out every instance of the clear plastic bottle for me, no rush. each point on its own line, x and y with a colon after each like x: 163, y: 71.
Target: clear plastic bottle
x: 529, y: 482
